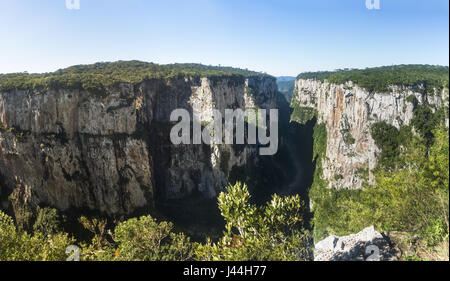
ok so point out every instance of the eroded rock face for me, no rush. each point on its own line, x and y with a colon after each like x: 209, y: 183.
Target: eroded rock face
x: 348, y: 112
x: 367, y: 245
x: 112, y: 153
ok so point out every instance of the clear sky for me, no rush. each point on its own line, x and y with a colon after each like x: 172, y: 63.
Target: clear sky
x: 280, y: 37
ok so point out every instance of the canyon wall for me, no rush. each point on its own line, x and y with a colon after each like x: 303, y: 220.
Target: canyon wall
x: 111, y: 153
x: 348, y: 111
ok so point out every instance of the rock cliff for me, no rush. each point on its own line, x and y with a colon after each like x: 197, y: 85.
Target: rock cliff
x: 348, y: 111
x: 367, y: 245
x: 111, y: 153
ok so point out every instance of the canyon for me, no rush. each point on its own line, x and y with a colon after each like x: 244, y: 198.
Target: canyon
x: 88, y: 145
x: 348, y: 111
x: 111, y: 154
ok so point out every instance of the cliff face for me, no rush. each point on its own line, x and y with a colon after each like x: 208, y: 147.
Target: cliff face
x: 348, y: 112
x: 112, y: 153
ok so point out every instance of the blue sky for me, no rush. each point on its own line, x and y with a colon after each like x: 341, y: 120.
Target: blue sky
x: 280, y: 37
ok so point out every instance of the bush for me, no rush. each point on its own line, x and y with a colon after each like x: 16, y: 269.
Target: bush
x: 144, y: 239
x: 47, y: 221
x: 424, y: 121
x: 21, y: 246
x: 271, y: 232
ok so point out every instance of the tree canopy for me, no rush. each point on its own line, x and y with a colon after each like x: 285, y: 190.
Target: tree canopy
x: 94, y: 77
x: 378, y: 79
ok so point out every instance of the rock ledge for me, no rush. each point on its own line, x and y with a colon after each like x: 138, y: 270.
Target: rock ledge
x: 367, y: 245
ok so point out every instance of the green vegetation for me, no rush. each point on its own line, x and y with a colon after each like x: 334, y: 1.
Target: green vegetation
x: 271, y: 232
x: 425, y: 120
x: 95, y: 77
x: 387, y: 138
x: 21, y: 246
x: 319, y: 193
x: 145, y: 239
x: 302, y: 114
x: 412, y: 99
x: 47, y: 221
x: 250, y: 91
x: 345, y: 132
x: 409, y: 195
x: 378, y: 79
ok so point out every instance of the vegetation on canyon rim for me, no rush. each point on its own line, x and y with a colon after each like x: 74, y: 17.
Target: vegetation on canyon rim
x: 95, y: 77
x: 425, y: 78
x: 271, y: 232
x: 409, y: 194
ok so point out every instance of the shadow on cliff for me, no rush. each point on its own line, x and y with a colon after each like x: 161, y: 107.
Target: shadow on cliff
x: 291, y: 170
x: 288, y: 172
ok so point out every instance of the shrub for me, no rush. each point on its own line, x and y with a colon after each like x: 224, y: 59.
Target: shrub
x: 143, y: 239
x: 21, y: 246
x: 271, y: 232
x: 47, y: 221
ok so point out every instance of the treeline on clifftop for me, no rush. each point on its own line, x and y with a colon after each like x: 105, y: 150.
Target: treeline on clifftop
x: 95, y: 77
x: 425, y: 78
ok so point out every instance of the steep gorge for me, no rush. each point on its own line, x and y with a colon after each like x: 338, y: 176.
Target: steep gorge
x: 348, y: 111
x: 365, y: 124
x: 110, y: 154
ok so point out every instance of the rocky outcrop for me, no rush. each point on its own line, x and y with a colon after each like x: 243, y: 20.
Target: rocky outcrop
x: 111, y: 153
x: 367, y: 245
x: 348, y: 112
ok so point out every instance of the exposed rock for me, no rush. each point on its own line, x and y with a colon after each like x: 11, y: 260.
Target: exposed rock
x: 112, y: 153
x: 367, y: 245
x: 348, y: 112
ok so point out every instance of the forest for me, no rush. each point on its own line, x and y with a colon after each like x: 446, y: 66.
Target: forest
x: 95, y: 77
x: 424, y: 78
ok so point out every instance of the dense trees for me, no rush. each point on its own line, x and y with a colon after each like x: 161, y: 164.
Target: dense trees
x: 425, y: 120
x: 387, y: 138
x: 95, y: 77
x: 378, y: 79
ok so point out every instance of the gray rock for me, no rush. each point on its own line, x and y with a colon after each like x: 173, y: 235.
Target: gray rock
x: 367, y: 245
x: 111, y: 153
x: 348, y: 112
